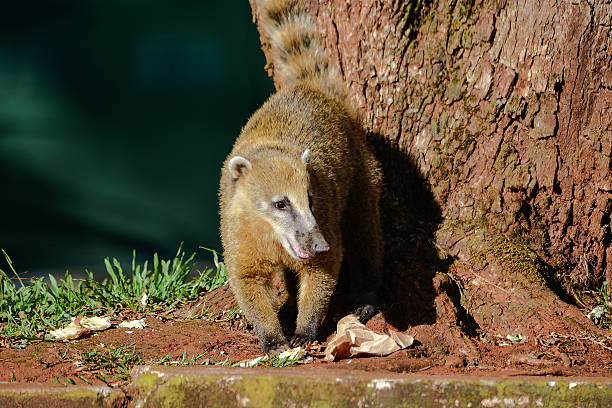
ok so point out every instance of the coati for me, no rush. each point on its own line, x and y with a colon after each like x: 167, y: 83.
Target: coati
x: 299, y: 192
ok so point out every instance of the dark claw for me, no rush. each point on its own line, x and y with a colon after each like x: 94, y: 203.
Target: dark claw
x: 300, y: 340
x: 365, y: 312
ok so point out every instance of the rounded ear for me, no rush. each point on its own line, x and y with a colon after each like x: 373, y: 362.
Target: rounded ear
x: 306, y: 156
x: 238, y: 166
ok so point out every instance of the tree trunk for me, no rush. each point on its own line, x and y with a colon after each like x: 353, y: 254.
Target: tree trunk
x: 493, y: 121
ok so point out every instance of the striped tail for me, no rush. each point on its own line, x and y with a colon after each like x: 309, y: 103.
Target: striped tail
x: 296, y: 48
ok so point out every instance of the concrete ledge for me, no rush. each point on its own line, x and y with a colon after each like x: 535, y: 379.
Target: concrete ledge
x: 32, y: 395
x: 154, y: 386
x: 304, y: 386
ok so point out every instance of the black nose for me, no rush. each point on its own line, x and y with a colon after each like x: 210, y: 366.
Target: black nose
x: 319, y: 248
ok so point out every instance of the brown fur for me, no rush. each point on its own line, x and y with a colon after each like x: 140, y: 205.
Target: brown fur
x: 268, y: 161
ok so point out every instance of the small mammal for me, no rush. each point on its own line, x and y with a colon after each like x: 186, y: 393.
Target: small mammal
x: 299, y: 192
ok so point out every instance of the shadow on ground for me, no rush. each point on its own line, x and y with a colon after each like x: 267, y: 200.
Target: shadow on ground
x: 410, y: 216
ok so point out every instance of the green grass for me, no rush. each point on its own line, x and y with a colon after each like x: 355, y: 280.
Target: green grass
x: 220, y: 360
x: 113, y: 364
x: 275, y: 361
x: 604, y: 293
x: 604, y: 318
x: 28, y: 311
x: 195, y: 359
x: 114, y: 361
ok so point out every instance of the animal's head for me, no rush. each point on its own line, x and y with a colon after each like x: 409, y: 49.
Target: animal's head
x: 276, y: 187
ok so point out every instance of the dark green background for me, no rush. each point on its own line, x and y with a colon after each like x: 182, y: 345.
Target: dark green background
x: 115, y: 118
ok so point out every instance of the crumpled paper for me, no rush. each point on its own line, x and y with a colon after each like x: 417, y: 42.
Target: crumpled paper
x: 80, y: 326
x: 353, y: 339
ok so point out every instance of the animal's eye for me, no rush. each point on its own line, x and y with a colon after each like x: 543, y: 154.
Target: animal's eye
x: 280, y: 205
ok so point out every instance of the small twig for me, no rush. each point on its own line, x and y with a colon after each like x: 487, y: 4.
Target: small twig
x: 584, y: 337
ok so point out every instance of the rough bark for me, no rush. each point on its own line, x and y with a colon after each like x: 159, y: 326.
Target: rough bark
x: 493, y: 120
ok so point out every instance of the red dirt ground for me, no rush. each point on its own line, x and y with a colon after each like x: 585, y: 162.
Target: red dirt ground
x: 174, y: 335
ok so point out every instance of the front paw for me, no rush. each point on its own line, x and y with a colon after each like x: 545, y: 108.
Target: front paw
x: 274, y: 346
x: 301, y: 339
x: 279, y: 349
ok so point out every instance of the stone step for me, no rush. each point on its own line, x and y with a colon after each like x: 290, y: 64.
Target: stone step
x: 33, y: 395
x: 309, y: 386
x: 198, y: 386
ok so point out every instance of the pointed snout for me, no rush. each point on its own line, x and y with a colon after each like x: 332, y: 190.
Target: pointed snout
x: 319, y: 245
